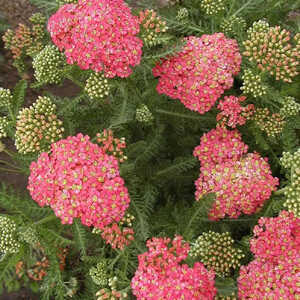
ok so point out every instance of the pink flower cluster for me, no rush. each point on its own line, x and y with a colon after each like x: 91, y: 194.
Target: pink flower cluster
x: 79, y: 180
x: 199, y: 74
x: 241, y: 182
x: 232, y: 113
x: 274, y: 274
x: 98, y: 35
x: 161, y: 276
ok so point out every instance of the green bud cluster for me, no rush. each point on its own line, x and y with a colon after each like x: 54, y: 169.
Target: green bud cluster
x: 37, y: 127
x: 144, y: 115
x: 212, y: 7
x: 38, y: 18
x: 151, y: 27
x: 29, y: 236
x: 272, y: 124
x: 97, y: 86
x: 290, y: 107
x: 292, y: 192
x: 111, y: 293
x: 127, y: 220
x: 182, y: 14
x: 216, y: 251
x: 3, y: 127
x: 71, y: 287
x: 252, y: 84
x: 48, y: 65
x: 8, y: 242
x: 5, y: 97
x: 258, y: 26
x: 232, y: 25
x: 271, y: 50
x: 99, y: 273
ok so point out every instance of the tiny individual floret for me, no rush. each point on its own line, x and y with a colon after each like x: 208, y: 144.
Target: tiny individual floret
x: 252, y: 84
x: 200, y: 73
x: 37, y: 127
x: 5, y: 98
x: 151, y: 27
x: 38, y: 18
x: 3, y: 127
x: 182, y: 14
x: 272, y: 124
x: 233, y: 113
x: 63, y: 2
x: 289, y: 107
x: 144, y: 115
x: 271, y: 50
x: 216, y: 251
x: 233, y: 25
x: 212, y: 7
x: 8, y: 240
x: 99, y: 273
x: 48, y: 65
x: 97, y: 86
x: 292, y: 191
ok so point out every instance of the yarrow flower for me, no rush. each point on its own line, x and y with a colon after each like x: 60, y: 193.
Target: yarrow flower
x: 5, y: 98
x: 289, y: 107
x: 48, y: 65
x: 241, y: 182
x: 78, y: 179
x: 3, y: 127
x: 274, y: 274
x: 112, y: 291
x: 217, y: 252
x: 182, y: 15
x: 252, y: 84
x: 99, y: 273
x: 200, y: 72
x: 8, y: 239
x: 151, y: 27
x: 37, y: 127
x: 272, y: 124
x: 212, y: 7
x: 98, y: 34
x: 233, y: 25
x: 292, y: 191
x: 269, y: 47
x: 232, y: 113
x: 161, y: 276
x: 144, y: 115
x: 97, y: 86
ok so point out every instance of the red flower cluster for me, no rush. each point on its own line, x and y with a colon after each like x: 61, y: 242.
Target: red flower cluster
x: 98, y: 35
x: 274, y: 274
x: 199, y: 74
x: 79, y: 180
x: 241, y: 182
x: 161, y: 276
x: 232, y: 113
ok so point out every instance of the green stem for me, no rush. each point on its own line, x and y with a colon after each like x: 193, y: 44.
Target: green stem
x: 8, y: 164
x: 281, y: 191
x: 45, y: 220
x: 10, y: 170
x: 175, y: 114
x: 243, y: 7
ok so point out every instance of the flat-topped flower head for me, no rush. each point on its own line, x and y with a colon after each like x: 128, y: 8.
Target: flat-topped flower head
x: 161, y: 276
x: 219, y: 145
x: 240, y: 186
x: 78, y: 179
x: 8, y: 239
x: 200, y: 73
x: 276, y: 238
x: 98, y: 34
